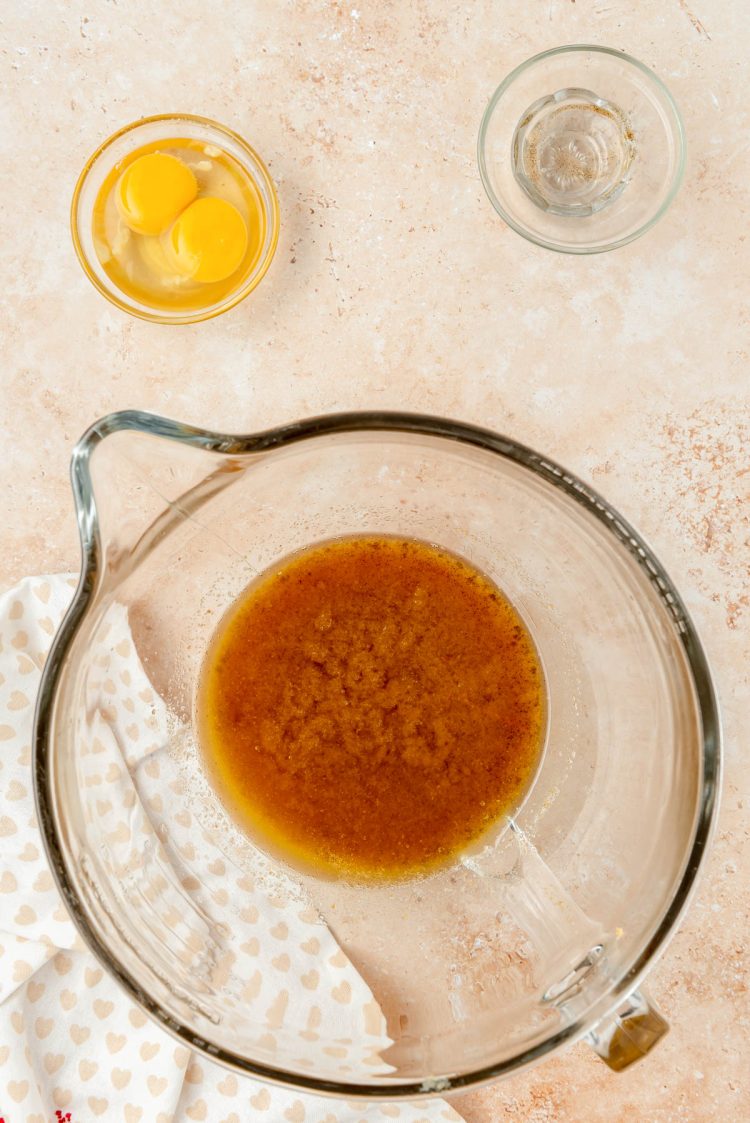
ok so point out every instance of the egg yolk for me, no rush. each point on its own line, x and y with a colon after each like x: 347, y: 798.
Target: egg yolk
x: 208, y: 240
x: 152, y: 192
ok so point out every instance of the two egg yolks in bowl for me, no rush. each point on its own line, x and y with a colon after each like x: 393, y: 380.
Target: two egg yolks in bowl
x: 178, y: 224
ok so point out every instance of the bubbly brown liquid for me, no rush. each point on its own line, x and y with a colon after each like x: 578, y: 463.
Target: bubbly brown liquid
x: 371, y: 707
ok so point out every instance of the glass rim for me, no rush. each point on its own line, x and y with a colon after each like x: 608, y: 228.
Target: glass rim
x: 546, y: 243
x: 194, y: 316
x: 277, y: 438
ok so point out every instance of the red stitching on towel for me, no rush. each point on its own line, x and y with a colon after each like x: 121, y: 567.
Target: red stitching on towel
x: 59, y: 1117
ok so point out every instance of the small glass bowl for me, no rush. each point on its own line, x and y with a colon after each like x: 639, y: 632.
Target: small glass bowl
x: 120, y: 145
x: 581, y: 149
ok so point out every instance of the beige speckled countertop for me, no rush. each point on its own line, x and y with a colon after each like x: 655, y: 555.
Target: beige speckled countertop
x: 396, y: 285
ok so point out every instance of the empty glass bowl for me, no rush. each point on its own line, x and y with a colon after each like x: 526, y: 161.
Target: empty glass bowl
x: 541, y: 935
x: 581, y: 149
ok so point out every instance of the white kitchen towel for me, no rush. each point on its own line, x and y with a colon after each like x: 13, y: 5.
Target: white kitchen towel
x: 73, y: 1047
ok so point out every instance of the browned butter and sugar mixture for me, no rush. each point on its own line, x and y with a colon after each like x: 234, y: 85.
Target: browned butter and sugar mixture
x: 370, y: 707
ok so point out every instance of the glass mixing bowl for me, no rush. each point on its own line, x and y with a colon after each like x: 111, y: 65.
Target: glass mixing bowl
x: 534, y: 939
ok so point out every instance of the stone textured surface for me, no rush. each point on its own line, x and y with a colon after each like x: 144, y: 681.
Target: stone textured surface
x: 395, y: 285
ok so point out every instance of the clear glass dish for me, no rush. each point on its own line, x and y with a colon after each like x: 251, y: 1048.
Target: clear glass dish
x: 146, y: 131
x: 540, y: 936
x: 581, y: 149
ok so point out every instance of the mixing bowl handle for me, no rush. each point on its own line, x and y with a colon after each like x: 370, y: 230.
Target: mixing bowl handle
x: 542, y: 907
x: 629, y: 1033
